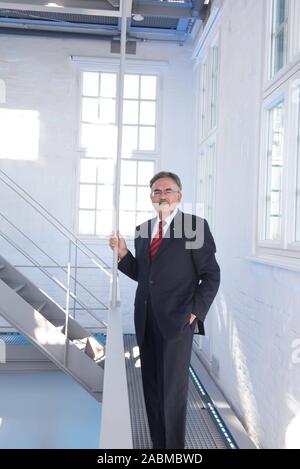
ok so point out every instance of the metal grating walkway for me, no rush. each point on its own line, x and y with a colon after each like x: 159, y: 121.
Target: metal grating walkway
x: 205, y: 429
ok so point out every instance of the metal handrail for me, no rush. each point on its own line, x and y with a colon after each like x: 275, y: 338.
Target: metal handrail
x: 53, y: 260
x: 68, y: 234
x: 57, y: 282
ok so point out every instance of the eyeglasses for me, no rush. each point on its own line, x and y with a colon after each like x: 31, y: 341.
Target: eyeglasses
x: 158, y: 192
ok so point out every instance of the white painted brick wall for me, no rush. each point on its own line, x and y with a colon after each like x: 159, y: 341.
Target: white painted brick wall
x: 255, y: 321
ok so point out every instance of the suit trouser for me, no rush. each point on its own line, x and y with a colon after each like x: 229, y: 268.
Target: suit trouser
x: 165, y: 375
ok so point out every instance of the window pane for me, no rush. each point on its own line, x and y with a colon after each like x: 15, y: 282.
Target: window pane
x: 214, y: 84
x: 128, y: 198
x: 275, y: 228
x: 148, y: 87
x: 145, y: 172
x: 275, y: 203
x: 105, y: 171
x: 86, y: 222
x: 90, y: 108
x: 279, y: 36
x: 131, y: 86
x: 147, y: 113
x: 88, y: 170
x: 105, y: 197
x: 90, y: 136
x: 128, y: 172
x: 274, y: 173
x: 279, y: 51
x: 143, y: 199
x: 90, y: 84
x: 203, y: 99
x: 280, y: 6
x: 129, y: 143
x: 87, y: 196
x: 99, y: 140
x: 107, y: 111
x: 201, y: 185
x: 104, y: 222
x: 130, y: 112
x: 147, y: 138
x: 108, y: 85
x: 127, y: 223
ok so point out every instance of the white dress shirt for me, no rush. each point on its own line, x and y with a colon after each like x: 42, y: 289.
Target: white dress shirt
x: 168, y: 221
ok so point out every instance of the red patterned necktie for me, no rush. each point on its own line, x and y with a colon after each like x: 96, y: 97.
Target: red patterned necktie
x: 156, y: 240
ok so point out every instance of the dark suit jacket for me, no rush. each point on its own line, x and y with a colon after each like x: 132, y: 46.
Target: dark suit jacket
x: 183, y: 278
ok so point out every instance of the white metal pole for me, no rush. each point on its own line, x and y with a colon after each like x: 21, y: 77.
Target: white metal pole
x: 117, y: 169
x: 115, y: 431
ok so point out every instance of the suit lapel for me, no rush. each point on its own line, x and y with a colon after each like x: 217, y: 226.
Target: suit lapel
x: 147, y: 240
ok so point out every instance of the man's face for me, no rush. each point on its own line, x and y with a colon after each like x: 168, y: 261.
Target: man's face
x: 165, y: 196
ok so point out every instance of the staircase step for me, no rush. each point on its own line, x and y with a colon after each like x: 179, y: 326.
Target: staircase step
x: 19, y: 287
x: 95, y: 350
x: 81, y: 343
x: 39, y: 306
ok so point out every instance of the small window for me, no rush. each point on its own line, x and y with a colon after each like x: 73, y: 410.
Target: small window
x: 214, y: 86
x: 206, y: 186
x: 203, y: 98
x: 274, y: 169
x: 279, y: 35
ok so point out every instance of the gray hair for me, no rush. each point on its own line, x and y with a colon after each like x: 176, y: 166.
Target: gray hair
x: 166, y: 174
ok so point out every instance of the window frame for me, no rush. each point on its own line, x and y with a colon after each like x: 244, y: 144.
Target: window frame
x: 102, y: 65
x: 288, y: 249
x: 293, y: 43
x: 285, y: 26
x: 203, y: 166
x: 209, y: 138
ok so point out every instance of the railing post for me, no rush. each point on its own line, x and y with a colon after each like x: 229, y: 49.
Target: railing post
x: 75, y: 282
x: 115, y: 419
x: 67, y: 305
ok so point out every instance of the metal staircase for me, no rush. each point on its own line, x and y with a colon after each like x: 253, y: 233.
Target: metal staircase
x: 49, y: 326
x: 42, y: 321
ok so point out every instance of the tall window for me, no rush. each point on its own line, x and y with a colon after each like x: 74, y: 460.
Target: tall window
x: 279, y: 35
x: 209, y: 70
x: 273, y: 205
x: 206, y: 186
x: 99, y: 142
x: 207, y: 117
x: 279, y: 192
x: 203, y: 97
x: 214, y: 86
x: 139, y: 117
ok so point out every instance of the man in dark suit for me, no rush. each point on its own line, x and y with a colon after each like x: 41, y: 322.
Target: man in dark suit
x: 178, y: 278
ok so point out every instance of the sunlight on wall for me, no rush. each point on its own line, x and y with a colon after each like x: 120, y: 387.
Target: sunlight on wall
x: 19, y: 134
x: 292, y: 438
x: 1, y: 421
x: 244, y: 383
x: 292, y: 435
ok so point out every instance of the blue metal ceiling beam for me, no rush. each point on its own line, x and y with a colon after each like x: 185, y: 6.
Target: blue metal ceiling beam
x: 96, y: 27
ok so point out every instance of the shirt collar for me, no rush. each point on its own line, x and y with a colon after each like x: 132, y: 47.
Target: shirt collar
x: 168, y: 221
